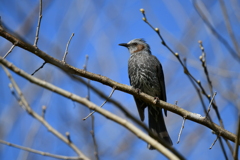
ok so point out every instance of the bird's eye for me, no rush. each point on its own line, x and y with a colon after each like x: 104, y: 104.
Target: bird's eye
x: 134, y: 44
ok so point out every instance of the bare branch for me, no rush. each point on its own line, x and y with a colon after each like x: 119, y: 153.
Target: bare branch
x: 214, y: 142
x: 222, y: 147
x: 10, y: 50
x: 86, y: 63
x: 38, y: 152
x: 203, y: 60
x: 179, y: 135
x: 210, y: 104
x: 39, y: 68
x: 38, y: 25
x: 92, y: 117
x: 221, y: 144
x: 94, y: 139
x: 113, y: 89
x: 106, y: 81
x: 66, y: 51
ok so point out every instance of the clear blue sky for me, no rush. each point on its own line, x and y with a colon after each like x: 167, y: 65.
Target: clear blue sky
x: 99, y: 27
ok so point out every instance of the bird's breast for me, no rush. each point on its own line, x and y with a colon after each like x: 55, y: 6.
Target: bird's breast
x: 142, y: 76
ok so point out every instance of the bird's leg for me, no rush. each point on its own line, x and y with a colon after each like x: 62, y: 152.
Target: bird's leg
x: 156, y: 99
x: 138, y: 90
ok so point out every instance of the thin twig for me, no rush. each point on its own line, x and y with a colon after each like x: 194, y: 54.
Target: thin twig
x: 214, y: 142
x: 110, y: 95
x: 86, y: 63
x: 179, y: 135
x: 176, y: 103
x: 221, y: 144
x: 43, y: 111
x: 222, y: 147
x: 210, y: 104
x: 203, y: 60
x: 66, y: 50
x: 39, y: 23
x: 39, y: 68
x: 229, y: 145
x: 197, y: 89
x: 38, y: 152
x: 10, y: 50
x: 94, y: 138
x: 68, y: 137
x: 92, y: 132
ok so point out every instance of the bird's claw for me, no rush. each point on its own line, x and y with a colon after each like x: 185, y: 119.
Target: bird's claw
x: 138, y: 90
x: 156, y: 99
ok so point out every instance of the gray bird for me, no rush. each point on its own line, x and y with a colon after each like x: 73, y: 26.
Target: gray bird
x: 146, y: 74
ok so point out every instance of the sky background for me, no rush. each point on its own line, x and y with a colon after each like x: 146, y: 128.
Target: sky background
x: 99, y: 26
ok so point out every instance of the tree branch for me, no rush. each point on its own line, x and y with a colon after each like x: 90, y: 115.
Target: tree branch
x: 106, y: 81
x: 38, y: 152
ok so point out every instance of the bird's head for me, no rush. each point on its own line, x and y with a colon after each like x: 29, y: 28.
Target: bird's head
x: 136, y: 45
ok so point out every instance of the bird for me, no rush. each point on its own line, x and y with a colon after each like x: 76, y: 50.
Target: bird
x: 146, y: 75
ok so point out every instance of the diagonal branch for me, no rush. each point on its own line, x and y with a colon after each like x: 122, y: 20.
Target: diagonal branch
x: 121, y: 87
x: 38, y: 152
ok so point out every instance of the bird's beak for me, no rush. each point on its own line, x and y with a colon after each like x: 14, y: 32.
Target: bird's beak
x: 123, y: 44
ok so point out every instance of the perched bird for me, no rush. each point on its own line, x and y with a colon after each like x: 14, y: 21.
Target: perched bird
x: 146, y: 74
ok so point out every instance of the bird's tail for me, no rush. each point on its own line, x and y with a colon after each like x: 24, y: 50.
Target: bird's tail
x: 157, y: 125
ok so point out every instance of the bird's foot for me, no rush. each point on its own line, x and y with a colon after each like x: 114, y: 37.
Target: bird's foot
x: 156, y: 99
x: 138, y: 90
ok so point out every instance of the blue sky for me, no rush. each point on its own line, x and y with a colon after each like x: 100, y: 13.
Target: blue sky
x: 99, y: 27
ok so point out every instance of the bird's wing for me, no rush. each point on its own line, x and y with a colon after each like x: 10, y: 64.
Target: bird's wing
x: 161, y: 81
x: 140, y: 106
